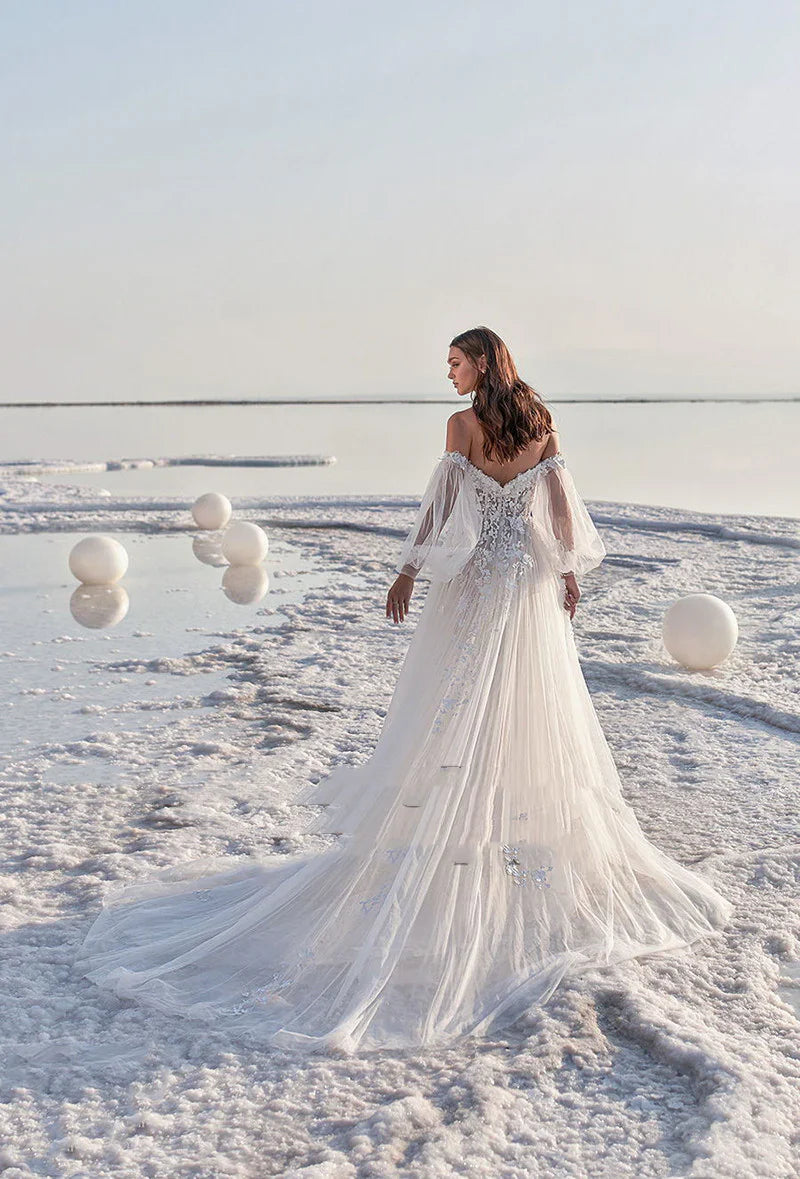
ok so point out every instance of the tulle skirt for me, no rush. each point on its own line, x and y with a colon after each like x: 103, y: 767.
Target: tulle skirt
x: 482, y: 853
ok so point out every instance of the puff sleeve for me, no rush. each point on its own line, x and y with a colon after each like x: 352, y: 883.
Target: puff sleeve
x: 448, y: 523
x: 562, y: 523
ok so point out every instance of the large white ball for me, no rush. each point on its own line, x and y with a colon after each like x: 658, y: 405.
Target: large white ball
x: 98, y: 560
x: 700, y: 631
x: 211, y: 511
x: 245, y: 543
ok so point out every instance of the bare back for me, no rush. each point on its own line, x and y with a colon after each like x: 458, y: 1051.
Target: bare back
x: 503, y: 472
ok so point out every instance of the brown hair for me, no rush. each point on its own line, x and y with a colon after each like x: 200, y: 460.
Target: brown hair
x: 511, y: 413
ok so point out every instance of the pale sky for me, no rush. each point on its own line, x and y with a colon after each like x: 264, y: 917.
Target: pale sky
x: 259, y: 199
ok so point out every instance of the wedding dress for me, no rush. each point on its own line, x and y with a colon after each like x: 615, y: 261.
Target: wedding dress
x: 483, y: 851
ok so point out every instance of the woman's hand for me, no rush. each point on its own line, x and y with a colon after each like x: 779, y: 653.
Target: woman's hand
x: 399, y: 596
x: 572, y: 594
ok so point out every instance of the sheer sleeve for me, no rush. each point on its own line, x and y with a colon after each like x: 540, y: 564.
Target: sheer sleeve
x: 562, y: 523
x: 448, y: 523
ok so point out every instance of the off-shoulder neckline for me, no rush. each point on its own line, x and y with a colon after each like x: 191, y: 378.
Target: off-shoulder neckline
x: 459, y: 457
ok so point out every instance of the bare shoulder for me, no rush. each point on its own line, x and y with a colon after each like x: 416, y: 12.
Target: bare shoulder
x: 460, y: 430
x: 553, y: 445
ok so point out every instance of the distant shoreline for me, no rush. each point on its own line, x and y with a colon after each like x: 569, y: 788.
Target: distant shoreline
x: 199, y: 403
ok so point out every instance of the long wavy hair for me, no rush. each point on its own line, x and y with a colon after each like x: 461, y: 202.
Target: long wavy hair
x: 511, y: 413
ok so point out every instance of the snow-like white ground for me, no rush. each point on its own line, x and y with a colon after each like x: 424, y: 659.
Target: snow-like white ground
x: 130, y: 750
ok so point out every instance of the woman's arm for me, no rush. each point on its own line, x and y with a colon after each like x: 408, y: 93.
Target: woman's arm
x: 457, y: 438
x: 565, y: 528
x: 442, y: 495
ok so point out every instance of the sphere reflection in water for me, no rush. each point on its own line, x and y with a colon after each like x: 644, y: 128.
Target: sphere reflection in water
x: 207, y: 548
x: 98, y: 606
x: 245, y: 584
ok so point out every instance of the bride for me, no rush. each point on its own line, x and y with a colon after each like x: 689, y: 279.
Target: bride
x: 485, y: 850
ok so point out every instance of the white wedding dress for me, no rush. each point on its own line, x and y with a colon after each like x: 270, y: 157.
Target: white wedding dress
x: 484, y: 850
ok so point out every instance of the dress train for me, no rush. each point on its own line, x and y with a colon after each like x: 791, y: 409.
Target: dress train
x: 484, y: 850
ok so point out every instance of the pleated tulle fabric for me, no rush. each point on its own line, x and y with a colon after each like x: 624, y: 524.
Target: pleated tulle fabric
x: 484, y: 850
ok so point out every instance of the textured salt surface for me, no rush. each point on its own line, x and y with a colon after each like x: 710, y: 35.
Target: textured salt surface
x: 683, y: 1066
x: 35, y: 467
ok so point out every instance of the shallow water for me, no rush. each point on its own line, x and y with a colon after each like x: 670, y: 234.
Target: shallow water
x: 705, y: 456
x: 61, y: 678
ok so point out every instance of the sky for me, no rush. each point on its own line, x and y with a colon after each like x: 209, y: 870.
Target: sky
x: 311, y: 199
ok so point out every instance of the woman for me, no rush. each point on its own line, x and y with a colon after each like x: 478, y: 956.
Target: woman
x: 485, y: 850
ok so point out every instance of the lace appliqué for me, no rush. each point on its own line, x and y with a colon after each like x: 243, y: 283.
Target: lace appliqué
x: 270, y: 991
x: 395, y: 853
x: 499, y: 560
x: 502, y: 549
x: 522, y: 875
x: 458, y: 675
x: 374, y: 902
x: 461, y: 460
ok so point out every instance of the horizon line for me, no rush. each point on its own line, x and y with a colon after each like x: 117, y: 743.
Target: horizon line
x: 201, y: 402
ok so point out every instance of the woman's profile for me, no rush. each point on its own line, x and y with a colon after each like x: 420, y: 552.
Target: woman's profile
x: 485, y: 850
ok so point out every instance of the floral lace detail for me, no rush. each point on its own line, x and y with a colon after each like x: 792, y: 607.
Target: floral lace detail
x: 270, y: 991
x: 500, y: 558
x: 375, y: 901
x: 461, y: 460
x: 502, y: 550
x: 502, y: 546
x: 521, y: 875
x: 459, y: 676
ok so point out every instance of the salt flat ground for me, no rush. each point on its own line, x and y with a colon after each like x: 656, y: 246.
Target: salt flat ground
x: 188, y: 734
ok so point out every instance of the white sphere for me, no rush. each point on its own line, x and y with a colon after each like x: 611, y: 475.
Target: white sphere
x: 245, y: 584
x: 245, y: 543
x: 211, y: 511
x: 98, y: 560
x: 700, y: 631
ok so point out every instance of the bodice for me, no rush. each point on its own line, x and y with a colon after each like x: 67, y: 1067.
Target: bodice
x: 467, y: 520
x: 506, y: 532
x: 509, y: 498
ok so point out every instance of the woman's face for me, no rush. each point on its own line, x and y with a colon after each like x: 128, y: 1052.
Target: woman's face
x: 462, y: 372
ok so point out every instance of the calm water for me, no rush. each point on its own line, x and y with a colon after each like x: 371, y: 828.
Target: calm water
x: 55, y: 682
x: 717, y: 457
